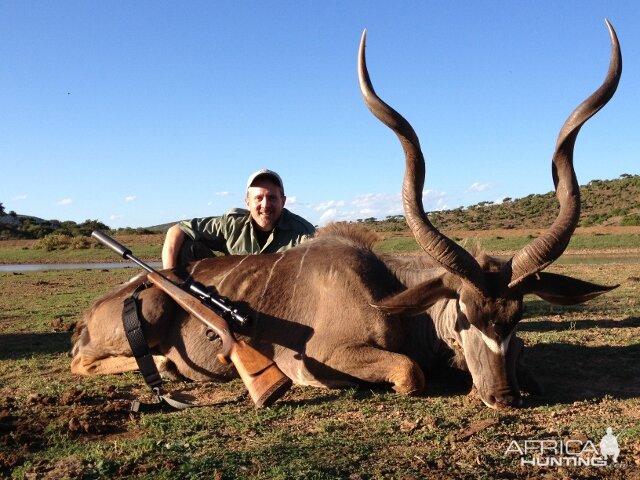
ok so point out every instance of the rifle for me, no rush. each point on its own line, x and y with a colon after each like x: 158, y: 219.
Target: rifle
x: 262, y: 377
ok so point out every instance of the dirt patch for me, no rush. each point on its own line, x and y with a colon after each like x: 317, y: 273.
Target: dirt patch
x: 26, y: 423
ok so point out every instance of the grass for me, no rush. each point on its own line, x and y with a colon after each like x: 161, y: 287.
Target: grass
x: 53, y: 424
x: 496, y: 243
x: 149, y: 247
x: 24, y: 251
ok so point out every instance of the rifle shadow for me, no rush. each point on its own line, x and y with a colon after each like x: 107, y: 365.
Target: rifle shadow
x: 269, y: 335
x: 15, y: 346
x: 198, y: 353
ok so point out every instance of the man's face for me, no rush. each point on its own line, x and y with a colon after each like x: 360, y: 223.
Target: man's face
x: 265, y: 201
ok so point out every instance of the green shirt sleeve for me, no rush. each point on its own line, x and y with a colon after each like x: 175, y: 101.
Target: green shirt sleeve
x: 211, y: 231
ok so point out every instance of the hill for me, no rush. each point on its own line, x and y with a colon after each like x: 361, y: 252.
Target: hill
x: 605, y: 203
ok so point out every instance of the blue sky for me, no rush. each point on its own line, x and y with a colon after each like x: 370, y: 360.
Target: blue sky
x: 140, y: 113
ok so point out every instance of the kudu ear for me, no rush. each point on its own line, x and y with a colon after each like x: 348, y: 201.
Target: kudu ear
x: 563, y: 290
x: 416, y: 299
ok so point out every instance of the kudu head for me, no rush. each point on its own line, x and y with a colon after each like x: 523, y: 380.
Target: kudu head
x: 489, y: 296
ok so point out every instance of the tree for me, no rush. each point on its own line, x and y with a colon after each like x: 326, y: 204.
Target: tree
x: 85, y: 228
x: 1, y: 209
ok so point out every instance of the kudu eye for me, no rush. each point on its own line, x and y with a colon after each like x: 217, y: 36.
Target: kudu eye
x: 502, y: 329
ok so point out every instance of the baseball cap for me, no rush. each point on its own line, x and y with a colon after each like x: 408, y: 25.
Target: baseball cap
x: 265, y: 172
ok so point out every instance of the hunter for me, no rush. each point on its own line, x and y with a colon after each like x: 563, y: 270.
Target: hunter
x: 266, y: 227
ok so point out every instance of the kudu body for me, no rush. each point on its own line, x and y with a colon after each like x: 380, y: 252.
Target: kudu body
x: 332, y: 313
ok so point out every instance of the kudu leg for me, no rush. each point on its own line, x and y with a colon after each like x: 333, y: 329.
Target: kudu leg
x: 84, y: 365
x: 370, y: 364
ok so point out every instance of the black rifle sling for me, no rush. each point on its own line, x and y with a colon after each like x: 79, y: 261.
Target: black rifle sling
x: 137, y: 342
x: 146, y: 364
x: 143, y: 356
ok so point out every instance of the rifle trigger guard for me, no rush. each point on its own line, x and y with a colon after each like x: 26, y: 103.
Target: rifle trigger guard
x: 211, y: 335
x: 222, y: 357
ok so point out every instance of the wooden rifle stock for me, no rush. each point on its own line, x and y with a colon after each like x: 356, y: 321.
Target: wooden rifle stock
x: 262, y: 377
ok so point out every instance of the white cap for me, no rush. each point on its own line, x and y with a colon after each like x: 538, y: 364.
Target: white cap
x: 265, y: 172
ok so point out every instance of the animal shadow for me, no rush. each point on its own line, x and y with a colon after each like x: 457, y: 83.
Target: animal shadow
x: 583, y: 324
x: 573, y: 372
x: 14, y: 346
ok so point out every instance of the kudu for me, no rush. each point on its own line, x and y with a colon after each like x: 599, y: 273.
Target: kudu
x: 332, y: 313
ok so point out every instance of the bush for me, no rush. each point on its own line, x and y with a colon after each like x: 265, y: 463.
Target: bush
x: 80, y: 243
x: 134, y: 231
x: 619, y: 212
x: 58, y: 241
x: 595, y: 219
x: 53, y: 241
x: 631, y: 221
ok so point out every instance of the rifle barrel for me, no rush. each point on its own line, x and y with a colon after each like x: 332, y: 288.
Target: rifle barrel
x: 120, y: 249
x: 194, y: 287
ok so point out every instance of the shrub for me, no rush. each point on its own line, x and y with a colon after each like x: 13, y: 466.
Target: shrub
x: 80, y: 243
x: 630, y: 221
x: 53, y: 241
x: 58, y: 241
x: 619, y: 212
x: 134, y: 231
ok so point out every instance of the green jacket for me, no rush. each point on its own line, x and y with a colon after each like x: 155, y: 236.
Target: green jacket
x: 234, y: 234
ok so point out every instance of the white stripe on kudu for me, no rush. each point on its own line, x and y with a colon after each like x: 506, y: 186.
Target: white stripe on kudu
x: 266, y: 285
x: 295, y: 282
x: 229, y: 272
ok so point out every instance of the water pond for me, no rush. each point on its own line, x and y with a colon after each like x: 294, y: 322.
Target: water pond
x: 71, y: 266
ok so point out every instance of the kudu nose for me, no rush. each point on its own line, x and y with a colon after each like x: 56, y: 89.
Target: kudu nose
x: 505, y: 400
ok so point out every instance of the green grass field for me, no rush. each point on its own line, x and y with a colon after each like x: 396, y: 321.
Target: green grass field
x: 149, y: 247
x: 55, y: 425
x: 496, y: 243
